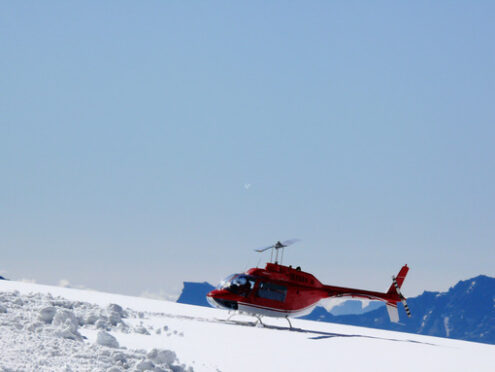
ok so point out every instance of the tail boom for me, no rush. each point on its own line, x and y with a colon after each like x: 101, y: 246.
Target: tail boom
x: 391, y: 297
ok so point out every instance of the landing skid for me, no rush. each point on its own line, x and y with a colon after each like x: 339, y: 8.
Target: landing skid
x: 257, y: 316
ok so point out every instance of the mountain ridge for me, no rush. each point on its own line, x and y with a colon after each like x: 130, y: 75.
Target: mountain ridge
x: 466, y: 311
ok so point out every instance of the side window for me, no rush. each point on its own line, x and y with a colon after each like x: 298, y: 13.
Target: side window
x: 272, y: 291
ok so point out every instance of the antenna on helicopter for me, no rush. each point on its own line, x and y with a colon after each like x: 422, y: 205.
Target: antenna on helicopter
x: 278, y: 245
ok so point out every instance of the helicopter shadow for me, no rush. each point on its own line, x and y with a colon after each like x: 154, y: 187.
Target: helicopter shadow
x: 315, y: 335
x: 321, y: 335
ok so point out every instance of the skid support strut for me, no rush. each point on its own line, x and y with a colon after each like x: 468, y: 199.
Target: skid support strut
x: 290, y: 324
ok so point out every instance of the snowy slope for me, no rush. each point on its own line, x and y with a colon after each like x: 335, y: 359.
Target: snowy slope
x: 200, y: 338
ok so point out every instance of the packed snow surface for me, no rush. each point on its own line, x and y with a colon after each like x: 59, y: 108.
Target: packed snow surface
x: 44, y: 328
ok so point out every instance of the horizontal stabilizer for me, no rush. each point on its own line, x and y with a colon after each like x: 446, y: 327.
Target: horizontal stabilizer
x: 393, y: 314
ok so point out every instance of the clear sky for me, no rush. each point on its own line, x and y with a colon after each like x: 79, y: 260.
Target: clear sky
x: 143, y: 144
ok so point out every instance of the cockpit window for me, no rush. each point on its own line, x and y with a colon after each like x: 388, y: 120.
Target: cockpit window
x: 240, y: 284
x: 226, y: 282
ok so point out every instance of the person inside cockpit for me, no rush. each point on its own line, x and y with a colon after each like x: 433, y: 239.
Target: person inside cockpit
x: 242, y: 285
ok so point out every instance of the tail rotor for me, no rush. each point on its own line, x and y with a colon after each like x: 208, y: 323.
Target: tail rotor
x: 401, y: 296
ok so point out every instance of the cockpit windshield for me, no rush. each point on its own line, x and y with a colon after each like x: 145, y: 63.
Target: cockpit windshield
x: 240, y: 284
x: 226, y: 282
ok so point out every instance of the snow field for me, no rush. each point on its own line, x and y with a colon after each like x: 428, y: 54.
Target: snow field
x: 130, y: 333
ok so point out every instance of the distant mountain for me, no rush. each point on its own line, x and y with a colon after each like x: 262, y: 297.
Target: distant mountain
x: 355, y: 307
x: 195, y: 293
x: 466, y: 312
x: 2, y: 278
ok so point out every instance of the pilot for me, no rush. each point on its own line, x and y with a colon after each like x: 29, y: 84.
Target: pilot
x: 242, y: 285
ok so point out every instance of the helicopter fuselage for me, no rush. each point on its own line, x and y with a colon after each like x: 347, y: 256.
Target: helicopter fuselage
x: 284, y: 291
x: 276, y: 290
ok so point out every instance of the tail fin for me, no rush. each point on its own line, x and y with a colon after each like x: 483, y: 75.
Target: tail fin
x: 399, y: 278
x: 394, y: 291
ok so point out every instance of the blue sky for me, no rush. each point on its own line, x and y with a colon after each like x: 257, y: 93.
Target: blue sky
x: 128, y: 132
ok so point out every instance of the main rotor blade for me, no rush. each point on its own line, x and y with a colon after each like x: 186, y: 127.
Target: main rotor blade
x: 264, y: 249
x: 278, y: 245
x: 290, y: 242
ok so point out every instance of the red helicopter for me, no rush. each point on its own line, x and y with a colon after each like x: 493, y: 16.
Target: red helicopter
x: 284, y: 291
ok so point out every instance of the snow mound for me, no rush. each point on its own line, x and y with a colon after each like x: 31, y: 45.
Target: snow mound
x: 162, y: 356
x: 42, y: 333
x: 106, y: 339
x: 47, y: 314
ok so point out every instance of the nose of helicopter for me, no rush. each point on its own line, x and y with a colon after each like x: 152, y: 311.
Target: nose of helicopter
x: 212, y: 301
x: 216, y: 298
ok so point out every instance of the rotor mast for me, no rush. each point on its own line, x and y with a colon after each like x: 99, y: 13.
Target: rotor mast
x: 276, y: 247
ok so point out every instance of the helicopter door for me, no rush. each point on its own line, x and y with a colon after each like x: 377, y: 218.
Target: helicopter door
x: 272, y: 291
